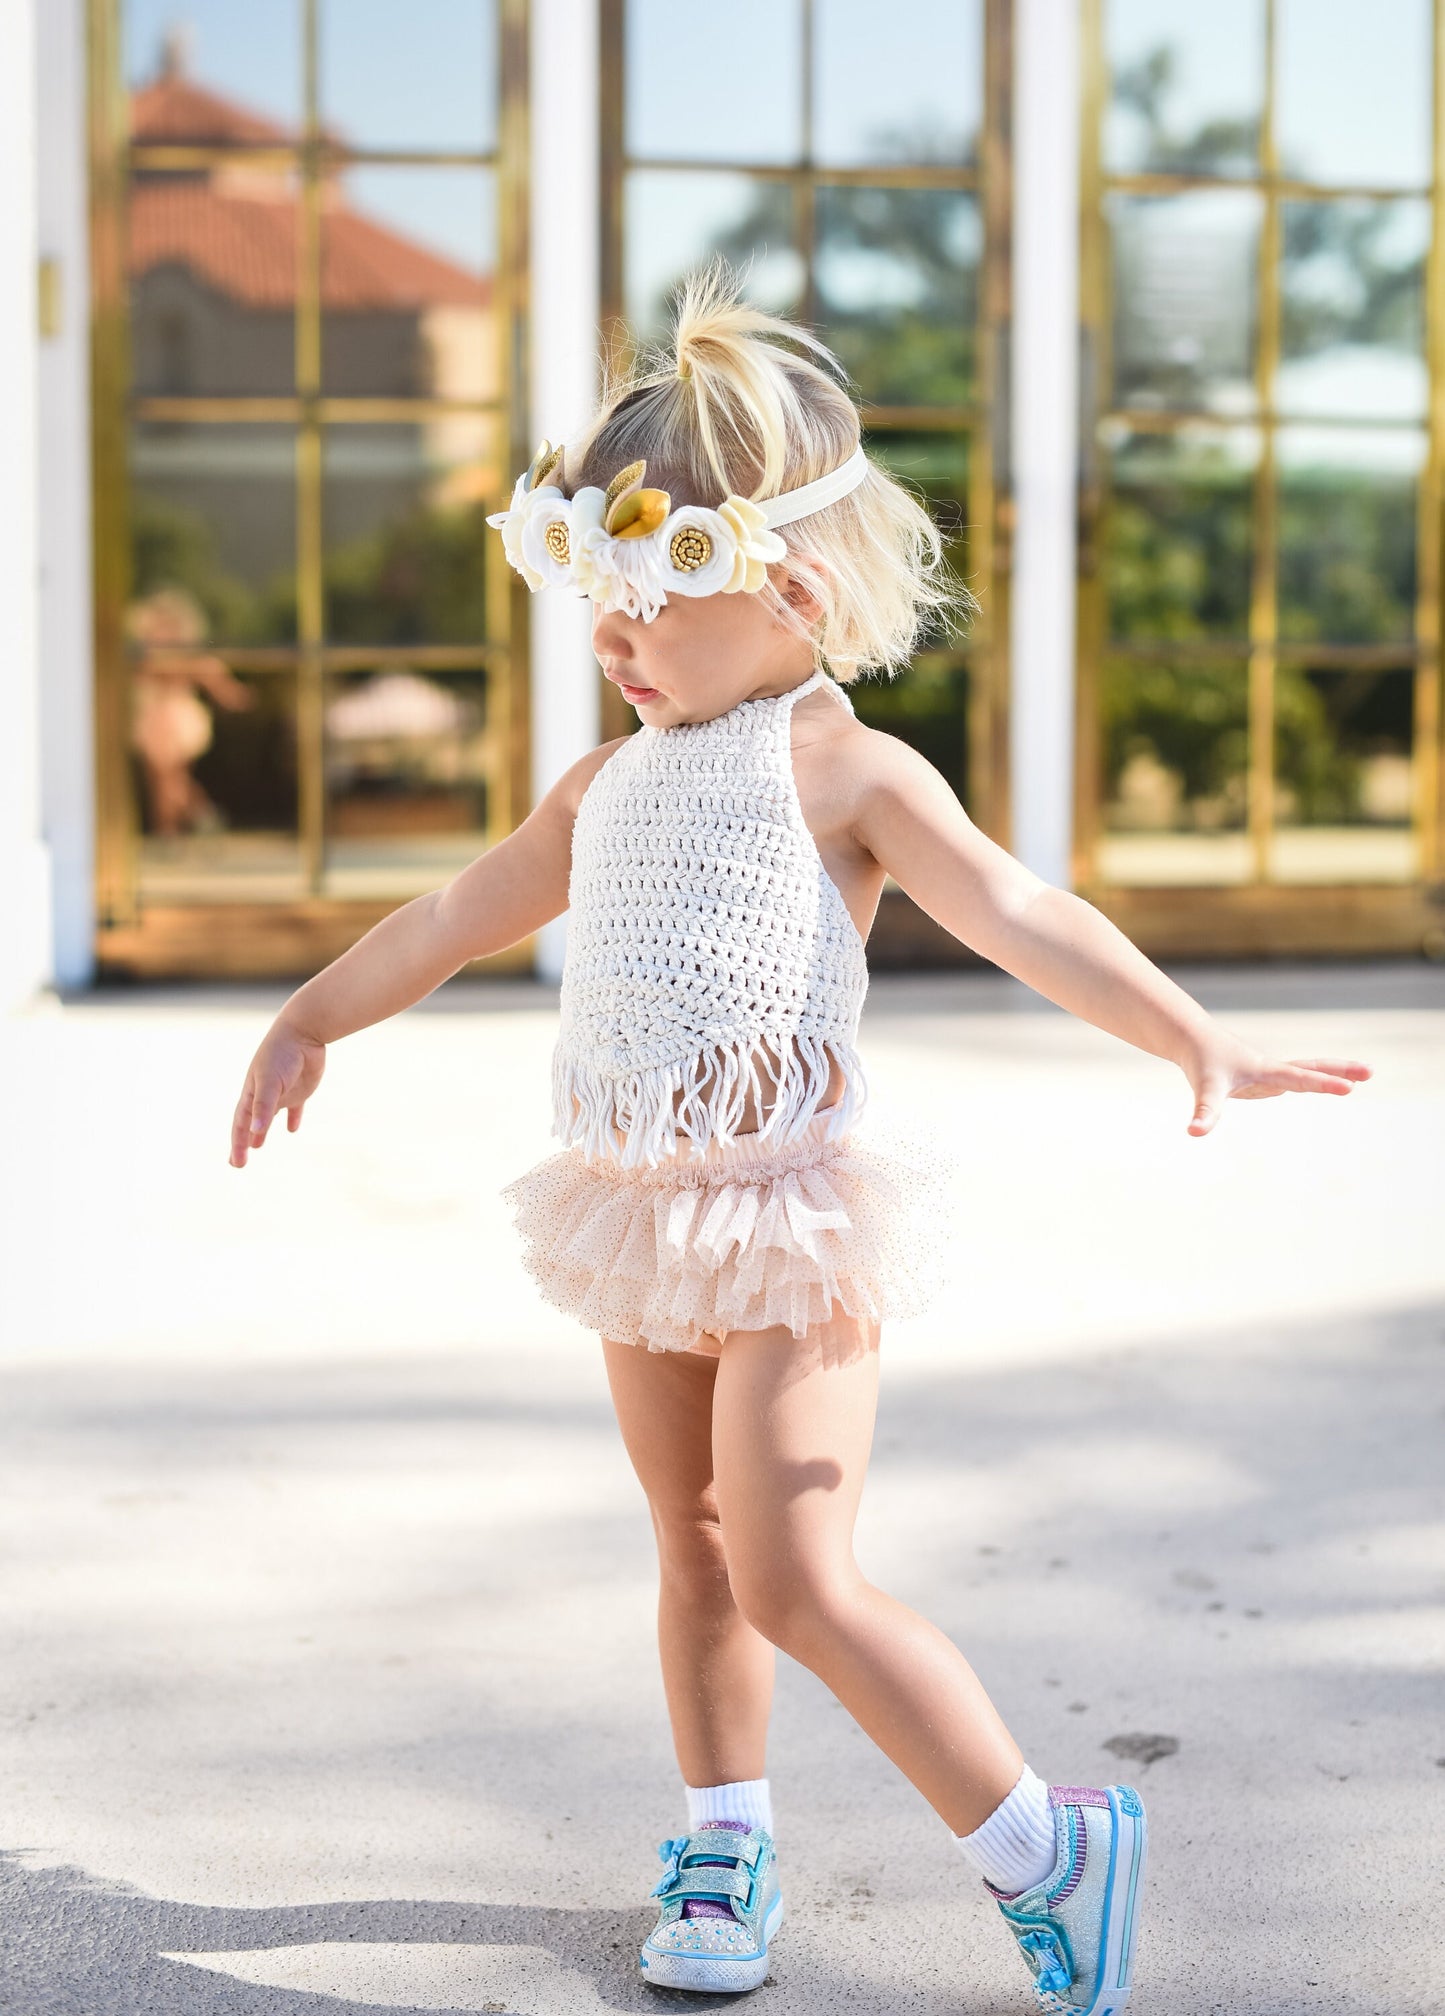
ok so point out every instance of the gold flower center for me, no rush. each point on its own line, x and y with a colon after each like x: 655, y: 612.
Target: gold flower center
x: 690, y: 549
x: 557, y: 543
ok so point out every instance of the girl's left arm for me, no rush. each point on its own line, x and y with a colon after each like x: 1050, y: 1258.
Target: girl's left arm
x: 911, y: 823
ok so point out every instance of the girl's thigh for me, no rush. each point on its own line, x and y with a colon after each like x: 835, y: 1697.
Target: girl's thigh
x: 792, y: 1430
x: 663, y: 1402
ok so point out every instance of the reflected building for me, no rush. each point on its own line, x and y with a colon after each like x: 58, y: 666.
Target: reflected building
x: 310, y: 290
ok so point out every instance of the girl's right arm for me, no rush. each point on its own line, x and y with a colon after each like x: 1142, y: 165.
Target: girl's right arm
x: 508, y: 892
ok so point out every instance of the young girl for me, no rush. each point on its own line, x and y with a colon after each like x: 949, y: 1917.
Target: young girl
x: 721, y: 1212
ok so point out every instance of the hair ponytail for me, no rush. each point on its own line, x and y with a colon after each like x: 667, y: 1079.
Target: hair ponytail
x: 725, y: 408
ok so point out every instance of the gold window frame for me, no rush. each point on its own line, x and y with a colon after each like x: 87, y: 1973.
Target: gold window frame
x: 902, y: 931
x: 1259, y: 915
x: 254, y: 937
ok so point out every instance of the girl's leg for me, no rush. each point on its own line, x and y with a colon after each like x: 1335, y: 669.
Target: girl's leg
x: 717, y: 1671
x: 792, y: 1425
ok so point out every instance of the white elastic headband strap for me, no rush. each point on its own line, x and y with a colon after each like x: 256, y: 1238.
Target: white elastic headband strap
x: 791, y: 504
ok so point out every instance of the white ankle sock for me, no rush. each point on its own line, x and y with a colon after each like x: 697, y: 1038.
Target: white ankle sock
x: 747, y: 1799
x: 1015, y: 1847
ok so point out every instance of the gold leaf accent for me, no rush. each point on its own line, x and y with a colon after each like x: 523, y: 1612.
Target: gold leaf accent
x: 639, y: 513
x: 690, y: 549
x: 539, y: 461
x: 557, y: 542
x: 550, y: 470
x: 626, y: 479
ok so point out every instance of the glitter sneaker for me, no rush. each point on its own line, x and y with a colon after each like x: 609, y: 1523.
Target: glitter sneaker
x: 721, y: 1906
x: 1077, y: 1929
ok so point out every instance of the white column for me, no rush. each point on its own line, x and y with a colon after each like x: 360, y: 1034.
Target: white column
x: 1045, y: 396
x: 565, y: 220
x: 66, y: 639
x: 24, y: 867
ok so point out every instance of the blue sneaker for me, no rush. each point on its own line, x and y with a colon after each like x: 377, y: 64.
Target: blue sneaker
x: 721, y: 1906
x: 1077, y: 1929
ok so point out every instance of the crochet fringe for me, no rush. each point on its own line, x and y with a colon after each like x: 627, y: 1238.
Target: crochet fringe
x: 714, y: 1083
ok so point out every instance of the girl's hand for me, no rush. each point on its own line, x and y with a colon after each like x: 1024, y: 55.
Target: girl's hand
x: 285, y: 1071
x: 1228, y: 1069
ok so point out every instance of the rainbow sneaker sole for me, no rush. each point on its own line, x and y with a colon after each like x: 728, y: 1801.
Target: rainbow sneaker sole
x: 1077, y: 1930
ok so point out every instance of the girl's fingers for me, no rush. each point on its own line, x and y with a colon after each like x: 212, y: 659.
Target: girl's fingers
x: 1338, y: 1067
x: 241, y: 1130
x: 1314, y: 1077
x: 293, y: 1118
x: 1208, y: 1104
x: 263, y: 1111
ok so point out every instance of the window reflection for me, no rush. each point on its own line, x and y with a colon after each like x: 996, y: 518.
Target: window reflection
x: 935, y: 468
x: 212, y: 72
x: 1354, y: 92
x: 897, y: 278
x: 1352, y: 283
x: 1185, y: 299
x: 1347, y: 533
x: 213, y: 513
x: 676, y: 221
x: 408, y: 754
x: 1174, y: 744
x: 911, y: 94
x: 408, y: 259
x: 1178, y: 532
x: 214, y: 765
x: 1186, y: 86
x: 403, y: 514
x: 425, y: 78
x: 751, y: 59
x: 1345, y: 781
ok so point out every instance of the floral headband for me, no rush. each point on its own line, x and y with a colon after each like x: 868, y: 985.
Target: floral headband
x: 627, y: 548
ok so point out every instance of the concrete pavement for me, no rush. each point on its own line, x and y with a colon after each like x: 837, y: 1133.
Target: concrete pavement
x: 329, y: 1682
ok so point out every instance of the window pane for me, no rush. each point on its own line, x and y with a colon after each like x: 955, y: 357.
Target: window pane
x: 214, y: 763
x: 675, y: 222
x: 1352, y: 282
x: 212, y: 272
x: 1347, y: 533
x: 213, y: 515
x: 926, y: 707
x: 425, y: 77
x: 408, y: 759
x: 1184, y: 300
x: 703, y: 87
x: 897, y: 277
x: 212, y: 72
x: 1186, y: 86
x: 408, y: 262
x: 403, y: 511
x: 1178, y: 533
x: 914, y: 94
x: 1174, y: 743
x: 1354, y: 92
x: 1344, y: 778
x: 935, y: 468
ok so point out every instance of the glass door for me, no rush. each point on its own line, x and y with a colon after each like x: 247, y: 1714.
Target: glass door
x: 860, y: 171
x: 310, y: 256
x: 1259, y: 689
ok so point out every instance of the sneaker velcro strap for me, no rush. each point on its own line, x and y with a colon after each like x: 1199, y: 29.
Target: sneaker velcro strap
x: 723, y: 1841
x: 710, y: 1883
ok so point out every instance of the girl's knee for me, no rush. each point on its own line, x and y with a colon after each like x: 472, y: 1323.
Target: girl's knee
x: 794, y: 1604
x: 690, y: 1550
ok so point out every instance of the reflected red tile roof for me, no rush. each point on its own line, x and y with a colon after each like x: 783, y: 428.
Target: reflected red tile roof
x: 236, y: 228
x: 244, y: 246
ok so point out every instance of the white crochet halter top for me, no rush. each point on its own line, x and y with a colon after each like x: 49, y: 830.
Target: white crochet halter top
x: 702, y: 925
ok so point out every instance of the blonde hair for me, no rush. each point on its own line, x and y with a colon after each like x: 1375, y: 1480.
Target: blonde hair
x: 724, y: 409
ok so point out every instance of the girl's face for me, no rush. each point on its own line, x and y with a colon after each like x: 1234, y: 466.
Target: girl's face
x: 701, y: 655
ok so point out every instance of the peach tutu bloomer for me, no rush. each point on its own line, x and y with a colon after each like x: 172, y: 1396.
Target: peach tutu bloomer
x: 746, y: 1236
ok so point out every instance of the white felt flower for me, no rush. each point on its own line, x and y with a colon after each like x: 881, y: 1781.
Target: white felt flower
x: 755, y: 544
x: 547, y: 538
x: 513, y: 522
x: 698, y: 550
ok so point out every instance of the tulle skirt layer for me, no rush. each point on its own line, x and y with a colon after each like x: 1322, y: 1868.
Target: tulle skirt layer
x: 747, y: 1236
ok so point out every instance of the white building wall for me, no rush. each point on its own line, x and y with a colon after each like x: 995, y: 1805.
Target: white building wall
x: 65, y: 633
x: 24, y: 866
x: 565, y: 212
x: 1045, y: 431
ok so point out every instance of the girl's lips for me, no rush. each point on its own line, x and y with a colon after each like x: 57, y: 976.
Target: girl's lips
x: 637, y: 694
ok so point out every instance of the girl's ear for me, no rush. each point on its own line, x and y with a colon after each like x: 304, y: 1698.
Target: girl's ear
x: 798, y: 592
